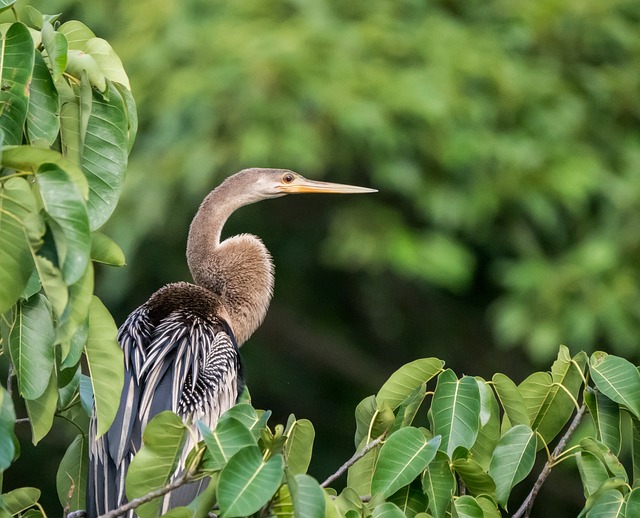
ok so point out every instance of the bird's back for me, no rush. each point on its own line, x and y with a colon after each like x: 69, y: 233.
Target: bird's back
x: 180, y: 355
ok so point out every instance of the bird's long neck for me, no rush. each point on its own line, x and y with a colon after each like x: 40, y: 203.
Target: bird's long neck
x: 238, y: 269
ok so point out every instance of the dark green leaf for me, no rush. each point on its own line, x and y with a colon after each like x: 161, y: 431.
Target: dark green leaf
x: 7, y: 421
x: 71, y: 478
x: 606, y: 418
x: 43, y: 120
x: 307, y: 496
x: 439, y: 485
x: 42, y: 410
x: 17, y: 67
x: 618, y: 379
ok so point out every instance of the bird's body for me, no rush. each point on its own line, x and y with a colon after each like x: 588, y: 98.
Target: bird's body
x: 181, y: 346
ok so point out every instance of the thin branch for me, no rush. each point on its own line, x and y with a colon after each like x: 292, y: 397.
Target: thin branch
x: 356, y: 457
x: 525, y: 508
x: 10, y: 380
x: 183, y: 479
x: 22, y: 420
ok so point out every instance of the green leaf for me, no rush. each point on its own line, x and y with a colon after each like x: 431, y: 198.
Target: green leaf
x: 609, y: 504
x: 106, y: 364
x: 307, y: 496
x: 439, y: 484
x: 248, y: 416
x: 512, y: 460
x: 406, y: 412
x: 606, y: 456
x: 56, y: 46
x: 455, y: 411
x: 132, y: 114
x: 7, y: 422
x: 406, y: 380
x: 387, y: 510
x: 42, y: 410
x: 475, y: 478
x: 64, y: 204
x: 29, y: 158
x: 74, y: 319
x: 151, y: 468
x: 80, y: 63
x: 18, y: 500
x: 54, y: 286
x: 635, y: 451
x: 410, y: 499
x: 511, y: 400
x: 20, y: 223
x: 247, y: 482
x: 77, y: 34
x: 107, y: 60
x: 403, y: 456
x: 466, y: 507
x: 299, y: 445
x: 360, y: 474
x: 370, y: 421
x: 43, y: 120
x: 592, y: 471
x: 618, y: 379
x: 229, y: 437
x: 17, y: 68
x: 606, y: 418
x: 105, y: 250
x: 489, y: 432
x: 104, y: 155
x: 31, y: 343
x: 71, y: 479
x: 348, y: 500
x: 632, y: 504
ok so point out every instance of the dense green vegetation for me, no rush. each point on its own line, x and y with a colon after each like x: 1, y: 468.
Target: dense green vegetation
x: 503, y: 138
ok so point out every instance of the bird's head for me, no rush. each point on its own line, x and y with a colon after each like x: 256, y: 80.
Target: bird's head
x: 273, y: 183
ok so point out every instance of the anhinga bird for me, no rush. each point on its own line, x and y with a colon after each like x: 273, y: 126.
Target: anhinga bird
x: 181, y: 346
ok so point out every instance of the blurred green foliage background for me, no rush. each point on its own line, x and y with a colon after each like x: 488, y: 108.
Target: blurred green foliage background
x: 504, y: 137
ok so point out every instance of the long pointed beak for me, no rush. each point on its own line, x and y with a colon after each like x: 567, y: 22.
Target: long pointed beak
x: 302, y: 185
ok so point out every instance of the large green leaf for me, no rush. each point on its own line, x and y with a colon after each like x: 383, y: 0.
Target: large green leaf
x: 247, y: 482
x: 54, y: 286
x: 407, y: 379
x: 41, y: 410
x: 248, y: 416
x: 43, y: 119
x: 56, y: 46
x: 438, y: 483
x: 307, y: 496
x: 632, y: 503
x: 77, y: 34
x: 20, y: 224
x: 107, y: 60
x: 229, y: 437
x: 152, y: 467
x: 406, y: 412
x: 104, y: 155
x: 410, y: 499
x: 20, y: 499
x: 360, y: 474
x: 31, y: 346
x: 618, y: 379
x: 455, y: 411
x: 606, y: 456
x: 17, y: 67
x: 489, y: 431
x: 299, y: 445
x: 606, y: 418
x: 105, y: 250
x: 512, y: 460
x: 403, y: 456
x: 466, y: 507
x: 71, y: 478
x: 106, y: 364
x: 7, y: 422
x: 609, y: 504
x: 74, y: 319
x: 475, y: 478
x: 511, y: 399
x: 387, y: 510
x: 64, y: 204
x: 592, y: 471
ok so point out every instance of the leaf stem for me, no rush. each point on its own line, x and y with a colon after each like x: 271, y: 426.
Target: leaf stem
x: 525, y: 508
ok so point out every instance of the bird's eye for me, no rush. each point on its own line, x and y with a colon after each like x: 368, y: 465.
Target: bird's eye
x: 287, y: 177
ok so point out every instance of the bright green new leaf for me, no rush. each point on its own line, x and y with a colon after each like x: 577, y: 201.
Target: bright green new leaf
x: 606, y: 419
x: 229, y: 437
x: 403, y: 456
x: 512, y: 460
x: 387, y: 510
x: 152, y: 467
x: 455, y: 411
x: 64, y: 204
x: 41, y: 410
x: 618, y: 379
x: 17, y: 68
x: 299, y: 445
x: 307, y: 496
x: 104, y: 155
x: 71, y: 479
x: 18, y: 500
x: 106, y: 364
x: 439, y: 484
x: 511, y: 400
x: 7, y: 422
x: 20, y: 224
x: 466, y: 507
x: 406, y: 380
x: 105, y: 250
x: 247, y: 482
x: 43, y: 120
x: 348, y: 500
x: 31, y: 344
